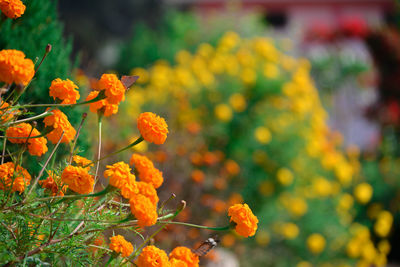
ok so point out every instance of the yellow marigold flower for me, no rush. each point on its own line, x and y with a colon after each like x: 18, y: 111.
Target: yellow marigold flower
x: 81, y: 161
x: 36, y: 146
x: 20, y: 176
x: 114, y: 89
x: 15, y: 68
x: 186, y: 255
x: 383, y: 223
x: 78, y: 179
x: 64, y: 90
x: 238, y: 102
x: 12, y: 8
x: 120, y: 245
x: 148, y: 190
x: 51, y: 184
x: 59, y: 122
x: 152, y: 256
x: 246, y: 222
x: 290, y: 230
x: 107, y: 108
x: 121, y: 177
x: 143, y: 210
x: 177, y: 263
x: 316, y: 243
x: 363, y: 193
x: 153, y: 128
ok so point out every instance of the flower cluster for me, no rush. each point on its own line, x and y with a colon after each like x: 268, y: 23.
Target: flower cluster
x: 246, y: 222
x: 61, y: 126
x: 120, y: 245
x: 64, y: 90
x: 14, y: 178
x: 23, y: 133
x: 78, y: 179
x: 153, y: 128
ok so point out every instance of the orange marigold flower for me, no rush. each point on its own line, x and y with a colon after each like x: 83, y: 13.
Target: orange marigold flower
x: 107, y: 108
x: 6, y: 113
x: 114, y: 89
x: 52, y: 183
x: 15, y: 68
x: 148, y: 191
x: 120, y: 245
x: 153, y: 128
x: 177, y: 263
x: 198, y: 176
x: 144, y: 211
x: 59, y: 122
x: 152, y: 256
x: 154, y: 176
x: 21, y: 177
x: 12, y: 8
x: 186, y: 255
x: 78, y: 179
x: 81, y: 161
x: 246, y: 221
x: 64, y: 90
x: 142, y: 163
x: 36, y: 146
x: 121, y: 177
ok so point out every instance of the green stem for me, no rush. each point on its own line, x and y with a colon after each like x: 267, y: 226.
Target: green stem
x: 106, y: 190
x: 224, y: 228
x: 100, y: 116
x: 140, y: 139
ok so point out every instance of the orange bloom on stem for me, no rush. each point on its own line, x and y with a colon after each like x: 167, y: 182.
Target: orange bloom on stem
x: 152, y: 256
x: 6, y: 113
x: 15, y: 68
x: 186, y: 255
x: 60, y: 123
x: 36, y: 146
x: 12, y: 8
x: 64, y: 90
x: 147, y: 172
x: 51, y: 184
x: 20, y: 176
x: 246, y: 221
x: 153, y: 128
x: 148, y: 191
x: 78, y: 179
x: 114, y: 89
x: 121, y: 177
x: 107, y: 108
x: 81, y: 161
x: 120, y: 245
x: 143, y: 210
x: 177, y: 263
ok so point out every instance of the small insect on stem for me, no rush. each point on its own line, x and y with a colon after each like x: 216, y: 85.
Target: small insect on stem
x: 206, y: 246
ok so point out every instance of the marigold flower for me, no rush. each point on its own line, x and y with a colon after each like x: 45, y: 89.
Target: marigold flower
x: 21, y: 177
x: 152, y: 256
x: 186, y: 255
x: 246, y: 222
x: 64, y: 90
x: 121, y: 177
x: 153, y: 176
x: 15, y: 68
x: 114, y: 89
x: 144, y: 211
x: 12, y: 8
x: 107, y: 108
x: 148, y: 191
x: 177, y: 263
x: 36, y: 146
x: 81, y: 161
x: 153, y: 128
x: 78, y: 179
x: 6, y: 113
x: 120, y: 245
x: 52, y: 183
x: 142, y: 163
x: 59, y: 121
x: 316, y: 243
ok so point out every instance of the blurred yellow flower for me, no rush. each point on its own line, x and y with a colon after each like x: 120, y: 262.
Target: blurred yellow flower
x: 363, y: 193
x: 238, y: 102
x: 290, y: 230
x: 285, y: 176
x: 223, y: 112
x: 262, y: 238
x: 316, y: 243
x: 262, y: 135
